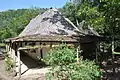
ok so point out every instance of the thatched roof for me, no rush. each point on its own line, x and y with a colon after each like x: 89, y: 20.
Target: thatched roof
x: 50, y: 23
x: 87, y: 29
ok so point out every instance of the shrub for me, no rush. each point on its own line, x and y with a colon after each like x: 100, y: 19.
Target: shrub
x: 86, y: 70
x: 9, y: 64
x: 61, y: 55
x: 64, y: 66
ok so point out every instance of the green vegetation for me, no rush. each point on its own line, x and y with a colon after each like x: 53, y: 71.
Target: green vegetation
x: 12, y: 22
x: 102, y: 15
x: 86, y: 10
x: 65, y: 67
x: 61, y: 56
x: 9, y: 64
x: 2, y: 45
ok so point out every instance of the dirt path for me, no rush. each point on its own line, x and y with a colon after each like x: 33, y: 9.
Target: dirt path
x: 5, y: 76
x: 3, y: 73
x: 31, y: 74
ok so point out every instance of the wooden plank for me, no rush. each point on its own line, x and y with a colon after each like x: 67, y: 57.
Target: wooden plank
x: 29, y: 47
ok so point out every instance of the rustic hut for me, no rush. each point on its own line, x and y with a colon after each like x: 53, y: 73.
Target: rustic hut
x: 90, y: 44
x: 46, y: 31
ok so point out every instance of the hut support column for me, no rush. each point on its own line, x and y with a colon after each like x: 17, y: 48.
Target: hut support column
x: 50, y: 45
x: 113, y: 56
x: 19, y: 64
x: 13, y: 55
x: 97, y: 44
x: 7, y: 48
x: 78, y: 54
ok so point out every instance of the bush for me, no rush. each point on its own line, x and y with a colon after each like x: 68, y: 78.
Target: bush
x: 64, y: 66
x: 61, y: 55
x: 86, y: 70
x: 9, y: 64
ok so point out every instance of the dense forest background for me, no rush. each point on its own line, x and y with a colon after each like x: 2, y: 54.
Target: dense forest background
x: 12, y: 22
x: 102, y: 15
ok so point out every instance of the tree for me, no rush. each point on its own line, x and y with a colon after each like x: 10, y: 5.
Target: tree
x: 12, y: 22
x: 5, y: 33
x: 79, y: 10
x: 111, y: 11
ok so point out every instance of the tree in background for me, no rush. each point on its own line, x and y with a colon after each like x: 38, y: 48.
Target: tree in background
x: 87, y: 10
x: 102, y: 15
x: 14, y: 21
x: 111, y: 11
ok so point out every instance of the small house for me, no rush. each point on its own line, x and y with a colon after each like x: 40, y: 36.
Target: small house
x: 45, y: 32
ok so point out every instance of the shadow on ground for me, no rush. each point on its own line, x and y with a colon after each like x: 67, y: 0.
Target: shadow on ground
x: 111, y: 68
x: 30, y: 62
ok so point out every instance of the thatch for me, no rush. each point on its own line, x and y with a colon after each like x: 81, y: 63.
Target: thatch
x: 87, y: 29
x: 50, y: 23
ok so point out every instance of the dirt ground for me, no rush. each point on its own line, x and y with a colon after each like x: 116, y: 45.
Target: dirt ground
x: 34, y: 72
x: 111, y: 69
x: 3, y: 74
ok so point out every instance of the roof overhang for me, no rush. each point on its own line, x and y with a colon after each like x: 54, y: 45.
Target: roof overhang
x: 46, y: 38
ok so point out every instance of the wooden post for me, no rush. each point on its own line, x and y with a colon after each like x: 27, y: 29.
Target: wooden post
x: 113, y: 50
x: 96, y: 52
x: 50, y: 45
x: 113, y: 56
x: 19, y: 64
x: 103, y: 47
x: 78, y: 54
x: 10, y: 52
x: 6, y: 48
